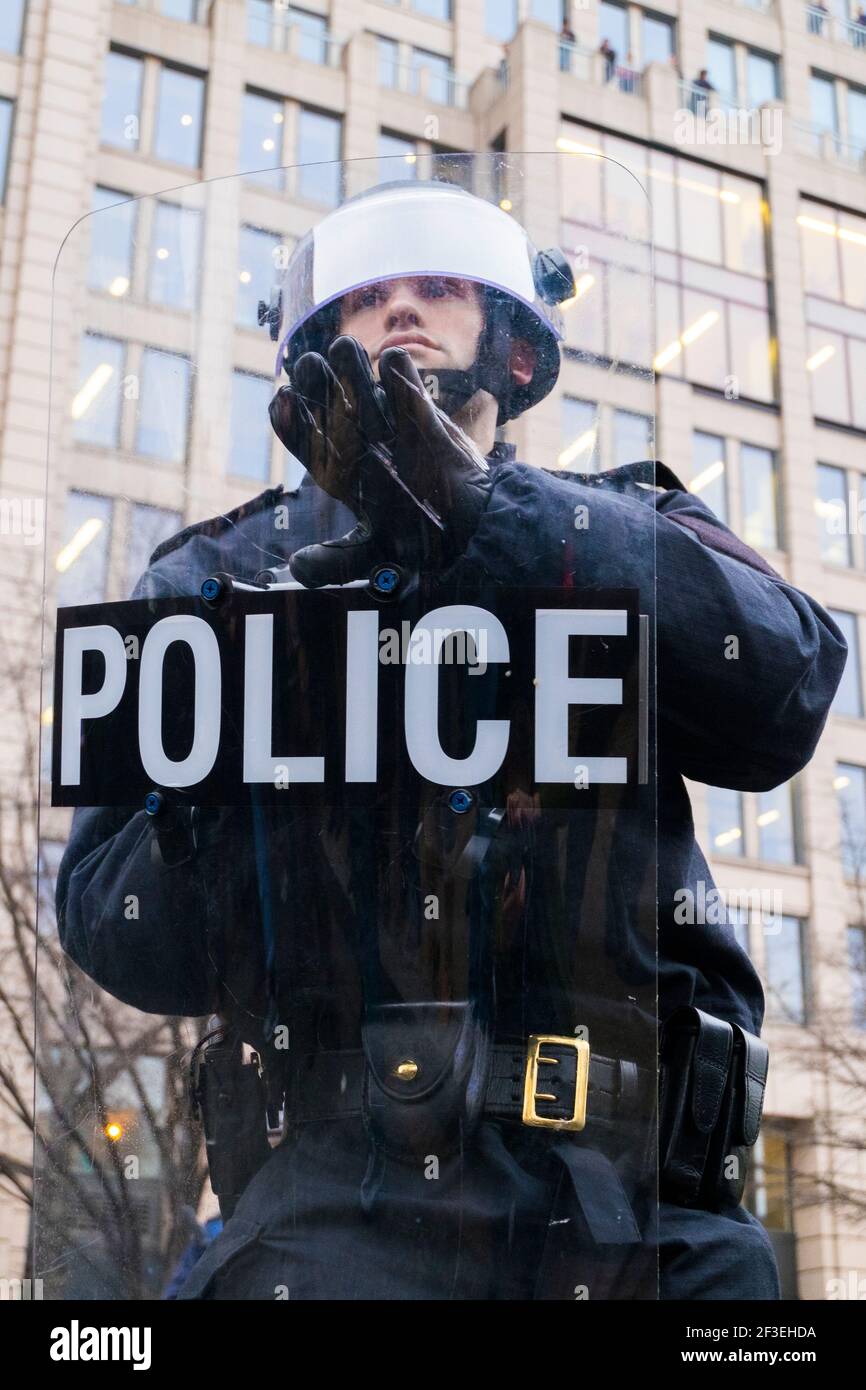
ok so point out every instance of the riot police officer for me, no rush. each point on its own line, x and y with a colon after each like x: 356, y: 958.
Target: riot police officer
x: 441, y: 1126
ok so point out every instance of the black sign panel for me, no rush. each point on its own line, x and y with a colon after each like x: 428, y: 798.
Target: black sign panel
x: 329, y: 696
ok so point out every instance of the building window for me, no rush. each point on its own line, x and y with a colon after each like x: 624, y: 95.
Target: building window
x: 833, y: 246
x: 435, y: 9
x: 112, y: 236
x: 850, y: 787
x: 776, y: 823
x: 822, y: 94
x: 613, y: 26
x: 180, y: 107
x: 147, y: 528
x: 579, y: 424
x: 500, y: 19
x: 831, y: 507
x: 830, y: 361
x: 632, y: 437
x: 260, y: 20
x: 389, y: 62
x: 174, y: 257
x: 96, y: 404
x: 258, y: 254
x: 709, y: 472
x: 550, y: 12
x: 319, y: 177
x: 163, y: 414
x: 769, y: 1188
x: 432, y: 76
x: 121, y: 100
x: 11, y: 25
x: 762, y: 78
x: 759, y: 493
x: 262, y: 139
x: 785, y: 969
x: 286, y: 27
x: 761, y: 73
x: 394, y: 148
x: 750, y: 507
x: 769, y: 1195
x: 857, y: 969
x: 251, y: 435
x: 722, y: 69
x: 595, y: 437
x: 849, y: 696
x: 857, y: 117
x: 658, y: 42
x: 706, y: 337
x: 725, y: 814
x: 82, y: 562
x: 312, y: 37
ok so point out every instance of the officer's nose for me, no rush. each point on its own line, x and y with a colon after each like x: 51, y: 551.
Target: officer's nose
x: 404, y: 310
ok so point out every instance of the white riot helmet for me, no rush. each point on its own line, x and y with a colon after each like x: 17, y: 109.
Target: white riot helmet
x: 435, y: 228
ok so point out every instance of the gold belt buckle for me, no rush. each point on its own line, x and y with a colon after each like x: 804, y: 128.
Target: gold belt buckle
x: 531, y: 1093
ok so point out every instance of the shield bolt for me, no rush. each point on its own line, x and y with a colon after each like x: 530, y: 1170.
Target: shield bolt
x: 386, y: 580
x: 460, y: 801
x: 212, y: 589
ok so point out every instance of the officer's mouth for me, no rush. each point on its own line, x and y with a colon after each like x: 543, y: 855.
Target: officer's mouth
x: 412, y: 342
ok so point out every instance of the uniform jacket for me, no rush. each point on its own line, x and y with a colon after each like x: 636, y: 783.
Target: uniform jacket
x: 749, y: 723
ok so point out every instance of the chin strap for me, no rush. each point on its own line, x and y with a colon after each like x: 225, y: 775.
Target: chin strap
x: 491, y: 370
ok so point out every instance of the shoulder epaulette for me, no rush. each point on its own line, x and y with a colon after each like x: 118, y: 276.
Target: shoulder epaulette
x: 216, y: 525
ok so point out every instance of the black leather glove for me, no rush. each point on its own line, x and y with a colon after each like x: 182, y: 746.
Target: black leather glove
x: 417, y: 484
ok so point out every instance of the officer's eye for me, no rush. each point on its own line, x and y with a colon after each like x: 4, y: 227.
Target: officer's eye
x: 439, y: 287
x: 366, y: 298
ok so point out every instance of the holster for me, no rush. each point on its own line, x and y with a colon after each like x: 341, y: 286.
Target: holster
x: 230, y: 1096
x: 425, y: 1082
x: 713, y: 1075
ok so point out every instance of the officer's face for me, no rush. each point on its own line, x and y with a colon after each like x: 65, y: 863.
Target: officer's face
x: 436, y: 318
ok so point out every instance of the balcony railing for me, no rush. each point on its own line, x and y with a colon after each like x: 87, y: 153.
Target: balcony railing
x: 828, y: 26
x: 580, y: 62
x: 589, y: 65
x: 828, y: 144
x: 419, y: 80
x: 284, y: 34
x: 699, y: 100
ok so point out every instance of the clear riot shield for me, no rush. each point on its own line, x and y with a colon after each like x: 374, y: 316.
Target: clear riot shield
x: 348, y: 948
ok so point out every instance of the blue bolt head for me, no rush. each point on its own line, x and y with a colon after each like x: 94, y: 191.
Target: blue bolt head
x: 460, y: 801
x: 211, y: 590
x: 386, y: 579
x: 153, y: 803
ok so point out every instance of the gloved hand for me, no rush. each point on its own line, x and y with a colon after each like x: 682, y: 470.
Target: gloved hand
x: 414, y: 480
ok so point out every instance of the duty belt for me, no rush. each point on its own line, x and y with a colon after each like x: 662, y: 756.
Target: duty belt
x: 552, y: 1082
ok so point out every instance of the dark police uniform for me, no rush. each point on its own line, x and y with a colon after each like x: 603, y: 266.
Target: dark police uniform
x: 330, y: 1215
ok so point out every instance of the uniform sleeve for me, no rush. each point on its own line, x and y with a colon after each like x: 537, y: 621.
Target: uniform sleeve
x: 136, y: 924
x: 747, y: 665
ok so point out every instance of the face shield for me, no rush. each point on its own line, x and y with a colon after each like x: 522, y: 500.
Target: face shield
x: 430, y: 230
